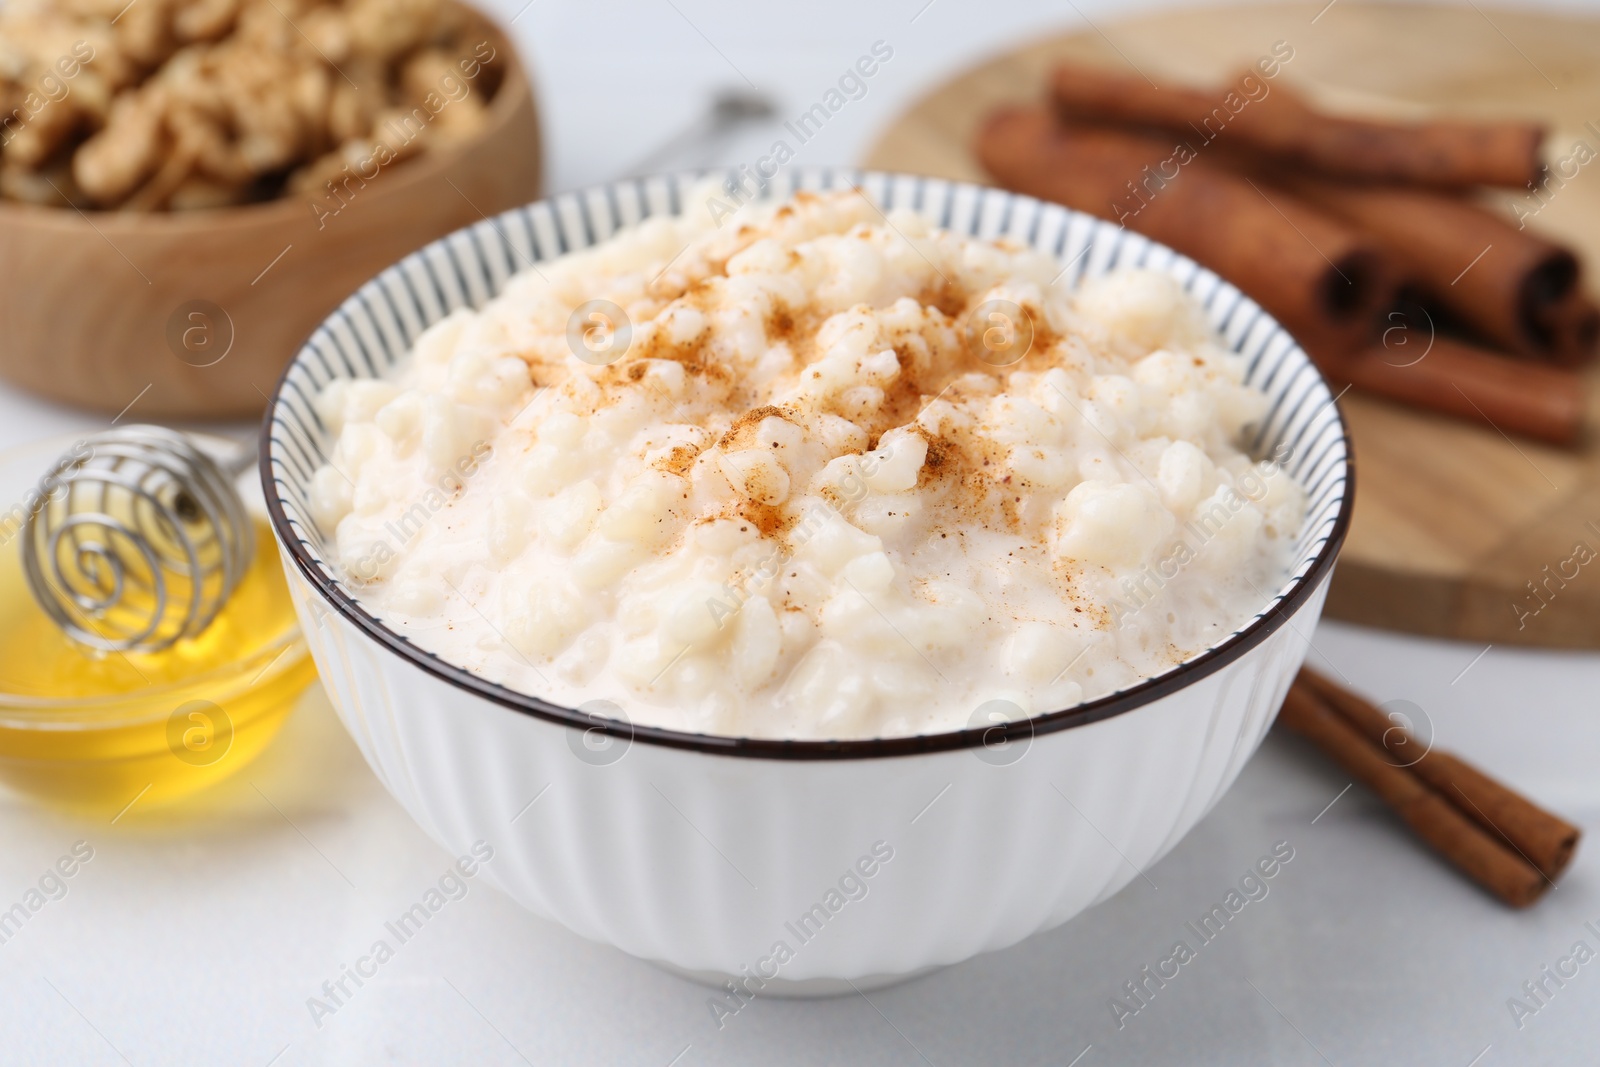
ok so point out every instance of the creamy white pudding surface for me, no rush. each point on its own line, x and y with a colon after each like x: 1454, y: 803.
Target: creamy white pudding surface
x: 820, y: 484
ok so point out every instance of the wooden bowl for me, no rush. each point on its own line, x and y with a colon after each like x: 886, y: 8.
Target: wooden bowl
x: 195, y: 314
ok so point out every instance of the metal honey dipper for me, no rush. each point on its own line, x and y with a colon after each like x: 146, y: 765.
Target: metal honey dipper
x: 137, y: 539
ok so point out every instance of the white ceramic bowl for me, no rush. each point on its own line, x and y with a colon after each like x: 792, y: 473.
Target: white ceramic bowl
x: 865, y: 860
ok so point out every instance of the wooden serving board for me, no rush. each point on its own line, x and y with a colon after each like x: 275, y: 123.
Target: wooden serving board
x: 1452, y: 520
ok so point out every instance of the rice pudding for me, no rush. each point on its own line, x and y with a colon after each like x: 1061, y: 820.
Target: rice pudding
x: 814, y: 472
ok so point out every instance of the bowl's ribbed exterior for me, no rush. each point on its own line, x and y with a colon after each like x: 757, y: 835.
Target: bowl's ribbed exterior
x: 699, y: 860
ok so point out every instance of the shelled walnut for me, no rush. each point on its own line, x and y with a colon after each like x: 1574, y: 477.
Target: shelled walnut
x: 186, y: 104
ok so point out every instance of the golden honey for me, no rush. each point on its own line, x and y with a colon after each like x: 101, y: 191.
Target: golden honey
x: 98, y: 731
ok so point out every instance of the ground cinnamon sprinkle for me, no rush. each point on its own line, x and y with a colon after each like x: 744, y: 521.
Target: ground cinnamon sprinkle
x: 948, y: 298
x: 780, y: 324
x: 744, y: 427
x: 772, y: 520
x: 679, y: 461
x: 939, y: 460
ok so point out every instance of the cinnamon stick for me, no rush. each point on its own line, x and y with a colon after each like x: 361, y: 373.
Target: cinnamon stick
x: 1542, y: 838
x: 1504, y: 282
x: 1323, y: 281
x: 1312, y: 273
x: 1267, y: 118
x: 1460, y: 840
x: 1537, y: 400
x: 1574, y: 326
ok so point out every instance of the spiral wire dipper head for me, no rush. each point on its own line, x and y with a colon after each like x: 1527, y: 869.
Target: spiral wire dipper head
x: 137, y: 539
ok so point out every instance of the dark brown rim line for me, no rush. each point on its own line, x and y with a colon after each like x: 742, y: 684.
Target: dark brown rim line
x: 1146, y: 692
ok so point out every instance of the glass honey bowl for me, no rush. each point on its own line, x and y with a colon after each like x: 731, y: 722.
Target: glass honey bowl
x: 96, y: 731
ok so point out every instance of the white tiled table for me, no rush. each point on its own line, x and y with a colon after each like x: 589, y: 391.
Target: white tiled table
x: 197, y: 936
